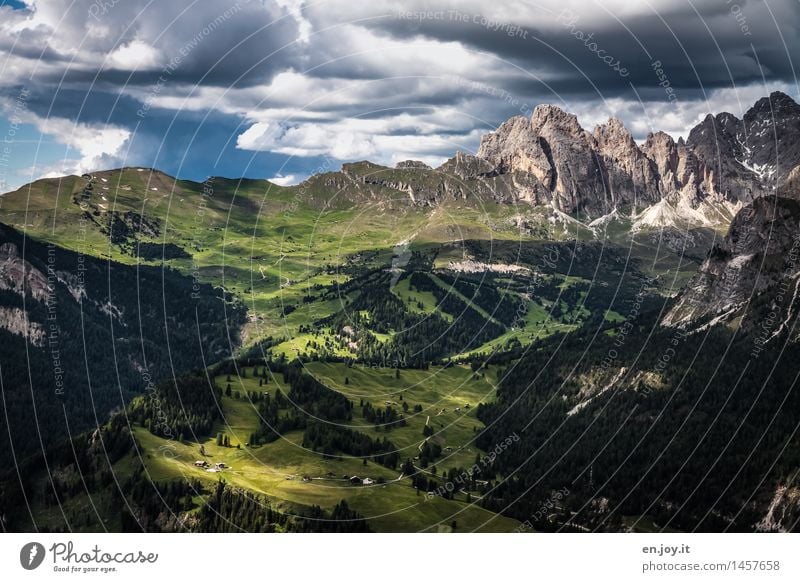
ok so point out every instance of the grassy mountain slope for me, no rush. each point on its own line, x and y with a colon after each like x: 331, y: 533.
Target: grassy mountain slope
x: 391, y: 287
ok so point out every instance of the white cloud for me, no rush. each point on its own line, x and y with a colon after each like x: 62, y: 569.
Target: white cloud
x: 295, y: 8
x: 287, y: 180
x: 137, y: 55
x: 385, y: 140
x: 96, y: 145
x: 677, y: 117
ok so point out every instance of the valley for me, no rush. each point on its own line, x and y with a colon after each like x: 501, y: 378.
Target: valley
x: 351, y: 353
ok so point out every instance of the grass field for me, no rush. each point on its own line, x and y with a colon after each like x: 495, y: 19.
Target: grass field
x: 417, y: 301
x: 289, y: 474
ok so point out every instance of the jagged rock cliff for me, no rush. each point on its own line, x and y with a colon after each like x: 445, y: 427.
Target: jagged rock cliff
x: 725, y: 161
x: 757, y: 258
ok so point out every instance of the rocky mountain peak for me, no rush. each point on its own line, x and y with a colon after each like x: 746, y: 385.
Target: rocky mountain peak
x: 659, y: 140
x: 741, y: 159
x: 663, y: 151
x: 778, y: 103
x: 614, y: 130
x: 727, y: 120
x: 552, y: 117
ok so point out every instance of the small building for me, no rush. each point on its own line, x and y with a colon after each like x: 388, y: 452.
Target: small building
x: 367, y: 481
x: 203, y: 464
x: 355, y: 480
x: 221, y: 466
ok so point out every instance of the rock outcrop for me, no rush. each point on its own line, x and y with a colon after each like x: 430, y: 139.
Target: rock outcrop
x: 19, y: 276
x: 759, y: 255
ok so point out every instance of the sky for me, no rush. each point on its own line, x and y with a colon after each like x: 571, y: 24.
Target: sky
x: 283, y: 89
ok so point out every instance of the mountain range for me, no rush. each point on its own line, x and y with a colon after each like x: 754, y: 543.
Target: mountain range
x: 550, y: 160
x: 378, y: 321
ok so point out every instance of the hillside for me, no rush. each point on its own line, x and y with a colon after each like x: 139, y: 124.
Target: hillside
x: 81, y: 336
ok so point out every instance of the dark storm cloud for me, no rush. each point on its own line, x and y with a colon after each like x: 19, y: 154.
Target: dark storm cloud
x: 235, y: 42
x: 701, y: 45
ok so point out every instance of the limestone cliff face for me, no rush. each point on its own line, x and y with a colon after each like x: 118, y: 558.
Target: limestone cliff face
x: 770, y: 138
x: 632, y: 177
x: 676, y: 166
x: 747, y: 168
